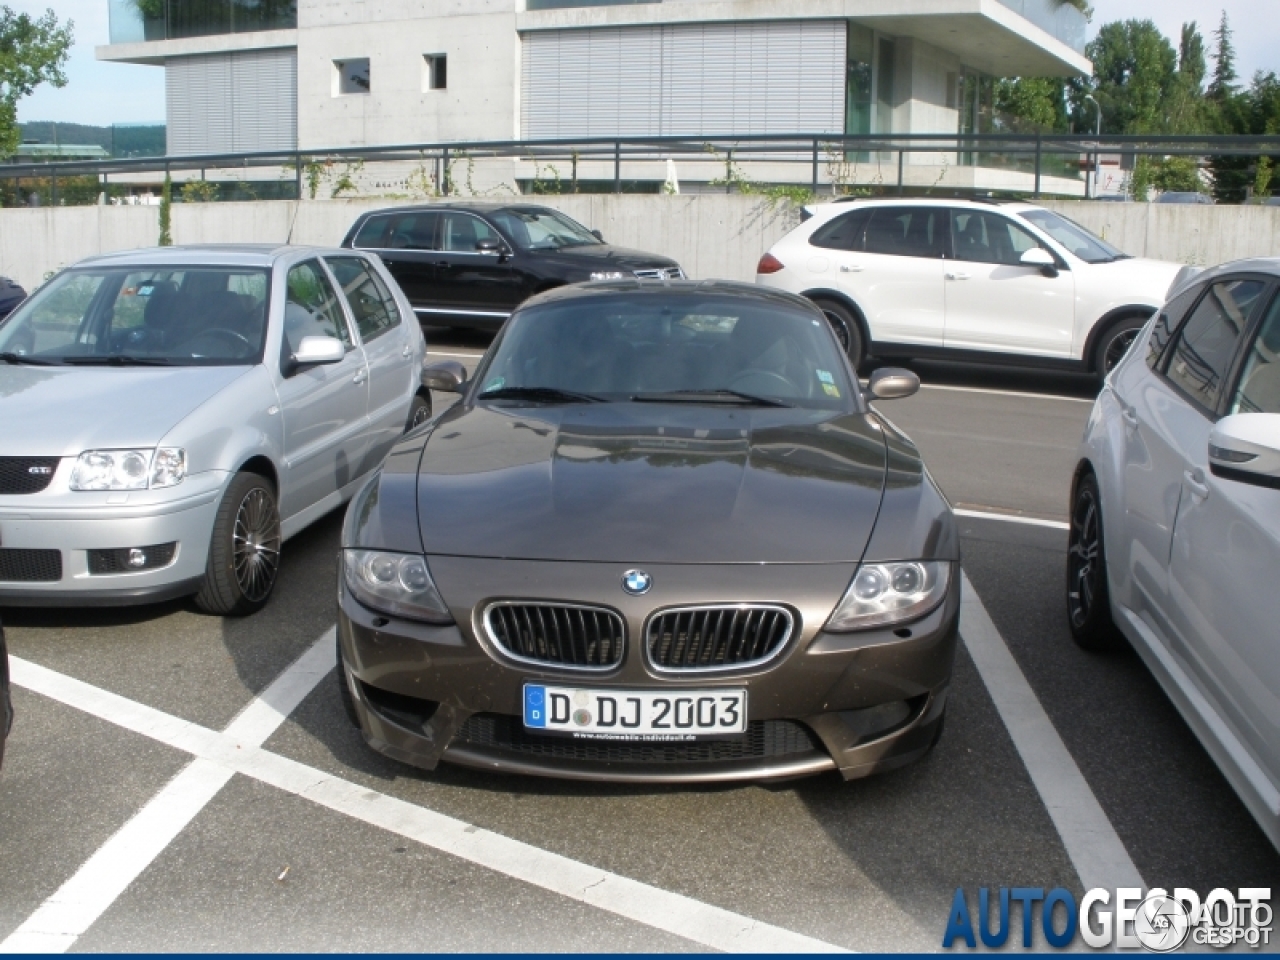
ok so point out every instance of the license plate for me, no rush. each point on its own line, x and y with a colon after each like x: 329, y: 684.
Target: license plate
x: 635, y: 714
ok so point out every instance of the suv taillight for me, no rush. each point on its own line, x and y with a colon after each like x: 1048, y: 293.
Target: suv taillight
x: 769, y: 264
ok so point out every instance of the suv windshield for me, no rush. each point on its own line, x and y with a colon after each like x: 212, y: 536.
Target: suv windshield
x: 665, y: 347
x: 1086, y: 246
x: 175, y: 316
x: 531, y: 228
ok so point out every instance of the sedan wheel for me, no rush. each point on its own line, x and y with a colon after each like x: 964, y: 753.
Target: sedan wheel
x: 1088, y: 599
x: 244, y: 555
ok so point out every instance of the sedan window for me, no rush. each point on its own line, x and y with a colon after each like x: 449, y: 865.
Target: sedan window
x: 312, y: 309
x: 1206, y: 345
x: 684, y: 348
x: 371, y: 302
x: 1259, y: 390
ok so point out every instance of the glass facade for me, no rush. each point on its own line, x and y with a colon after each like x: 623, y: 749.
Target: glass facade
x: 133, y: 21
x: 858, y: 102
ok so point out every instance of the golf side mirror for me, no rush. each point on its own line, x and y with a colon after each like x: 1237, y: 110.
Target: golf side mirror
x: 1245, y: 447
x: 316, y: 352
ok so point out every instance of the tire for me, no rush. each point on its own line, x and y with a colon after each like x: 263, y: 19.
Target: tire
x: 845, y: 326
x: 1088, y: 596
x: 244, y: 554
x: 344, y: 691
x: 419, y: 412
x: 1114, y: 343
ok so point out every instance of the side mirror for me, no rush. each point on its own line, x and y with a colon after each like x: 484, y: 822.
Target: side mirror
x: 1246, y: 447
x: 598, y: 235
x: 891, y: 383
x: 1041, y: 258
x: 446, y: 376
x: 316, y: 352
x: 489, y: 246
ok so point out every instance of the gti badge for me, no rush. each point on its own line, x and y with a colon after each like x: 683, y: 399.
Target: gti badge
x: 40, y: 471
x: 636, y: 582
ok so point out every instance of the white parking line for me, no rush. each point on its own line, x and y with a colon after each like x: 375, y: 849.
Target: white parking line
x: 1003, y: 393
x: 64, y: 917
x: 1011, y: 518
x: 53, y: 928
x: 1095, y: 849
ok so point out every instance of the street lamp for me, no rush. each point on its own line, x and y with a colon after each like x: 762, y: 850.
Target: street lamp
x: 1097, y: 132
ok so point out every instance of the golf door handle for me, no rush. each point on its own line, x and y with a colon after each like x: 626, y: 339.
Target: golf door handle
x: 851, y: 268
x: 957, y: 275
x: 1194, y: 479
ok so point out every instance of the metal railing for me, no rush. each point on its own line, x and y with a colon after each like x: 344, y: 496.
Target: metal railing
x: 803, y: 160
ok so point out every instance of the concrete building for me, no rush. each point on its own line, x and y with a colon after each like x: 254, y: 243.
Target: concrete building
x: 246, y: 75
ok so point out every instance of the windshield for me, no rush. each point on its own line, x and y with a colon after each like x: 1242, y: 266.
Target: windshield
x: 531, y: 228
x: 1086, y: 246
x: 174, y: 316
x: 667, y: 348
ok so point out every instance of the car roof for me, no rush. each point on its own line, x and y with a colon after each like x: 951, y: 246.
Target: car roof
x: 222, y: 254
x: 730, y: 289
x: 477, y: 206
x: 842, y: 204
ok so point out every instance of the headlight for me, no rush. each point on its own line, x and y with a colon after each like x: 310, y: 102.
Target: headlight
x: 129, y: 469
x: 608, y: 275
x: 883, y: 593
x: 394, y: 583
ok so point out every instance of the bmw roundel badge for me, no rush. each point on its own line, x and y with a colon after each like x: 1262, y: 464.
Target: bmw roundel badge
x: 636, y: 582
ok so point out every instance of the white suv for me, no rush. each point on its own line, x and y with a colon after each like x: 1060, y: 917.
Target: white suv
x: 968, y: 278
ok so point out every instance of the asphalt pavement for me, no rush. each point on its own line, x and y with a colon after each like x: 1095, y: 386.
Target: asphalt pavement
x: 287, y: 833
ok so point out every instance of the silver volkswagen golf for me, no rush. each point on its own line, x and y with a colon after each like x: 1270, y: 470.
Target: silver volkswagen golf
x: 169, y: 417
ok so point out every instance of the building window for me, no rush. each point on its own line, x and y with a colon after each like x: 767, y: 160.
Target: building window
x: 350, y: 76
x: 435, y: 71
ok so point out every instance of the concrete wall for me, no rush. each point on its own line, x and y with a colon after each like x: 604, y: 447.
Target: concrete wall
x: 711, y: 235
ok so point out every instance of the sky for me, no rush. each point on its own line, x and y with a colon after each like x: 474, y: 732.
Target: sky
x: 105, y: 93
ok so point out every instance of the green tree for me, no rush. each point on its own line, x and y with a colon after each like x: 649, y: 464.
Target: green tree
x: 1135, y: 69
x: 1032, y: 104
x: 33, y: 50
x: 1232, y: 176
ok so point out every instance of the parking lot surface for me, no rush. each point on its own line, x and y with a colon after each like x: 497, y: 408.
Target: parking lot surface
x: 181, y: 782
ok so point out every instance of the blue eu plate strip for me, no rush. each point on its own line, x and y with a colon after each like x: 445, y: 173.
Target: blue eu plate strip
x: 535, y: 705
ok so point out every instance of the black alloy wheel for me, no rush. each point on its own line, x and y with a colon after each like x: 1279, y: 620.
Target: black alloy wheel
x: 1115, y: 343
x: 244, y: 555
x: 845, y: 327
x: 419, y: 412
x: 1088, y: 597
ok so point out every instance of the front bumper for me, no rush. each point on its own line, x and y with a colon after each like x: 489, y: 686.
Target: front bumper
x: 74, y: 523
x: 858, y: 703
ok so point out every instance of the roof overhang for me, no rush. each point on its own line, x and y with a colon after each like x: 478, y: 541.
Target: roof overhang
x: 156, y: 52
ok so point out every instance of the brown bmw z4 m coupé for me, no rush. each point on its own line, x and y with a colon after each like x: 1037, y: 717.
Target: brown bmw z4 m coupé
x: 661, y: 537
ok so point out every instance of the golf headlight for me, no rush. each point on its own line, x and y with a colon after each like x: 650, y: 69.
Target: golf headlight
x: 608, y: 275
x: 885, y: 593
x: 394, y: 583
x: 129, y: 469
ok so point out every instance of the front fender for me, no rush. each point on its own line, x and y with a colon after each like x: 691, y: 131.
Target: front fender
x: 239, y: 422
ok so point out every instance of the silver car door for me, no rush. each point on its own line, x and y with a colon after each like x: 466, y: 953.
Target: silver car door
x: 388, y: 346
x: 1226, y: 552
x: 325, y: 408
x: 1168, y: 411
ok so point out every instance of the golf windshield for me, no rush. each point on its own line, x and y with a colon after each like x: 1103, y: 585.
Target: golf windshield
x: 1086, y: 246
x: 172, y: 316
x: 666, y: 347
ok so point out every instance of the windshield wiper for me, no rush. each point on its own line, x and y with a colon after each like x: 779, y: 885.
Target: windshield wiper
x: 24, y: 360
x: 538, y: 395
x: 708, y: 396
x: 116, y: 360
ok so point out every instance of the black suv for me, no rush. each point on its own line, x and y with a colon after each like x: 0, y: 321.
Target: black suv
x: 471, y: 265
x: 10, y: 296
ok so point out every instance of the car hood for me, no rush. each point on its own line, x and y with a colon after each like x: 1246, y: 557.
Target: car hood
x: 605, y: 256
x: 63, y: 411
x: 651, y: 483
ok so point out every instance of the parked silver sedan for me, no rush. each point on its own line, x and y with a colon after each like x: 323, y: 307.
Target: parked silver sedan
x: 171, y: 416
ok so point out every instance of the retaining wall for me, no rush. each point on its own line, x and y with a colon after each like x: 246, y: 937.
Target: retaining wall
x: 711, y: 235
